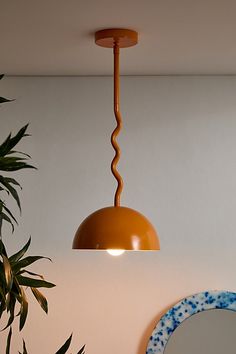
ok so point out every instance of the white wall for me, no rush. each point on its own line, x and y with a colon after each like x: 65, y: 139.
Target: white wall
x: 179, y: 168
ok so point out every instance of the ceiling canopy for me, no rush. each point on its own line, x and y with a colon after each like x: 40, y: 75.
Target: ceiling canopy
x: 55, y: 37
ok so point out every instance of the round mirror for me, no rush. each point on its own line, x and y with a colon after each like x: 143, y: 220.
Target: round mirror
x: 208, y: 332
x: 201, y: 323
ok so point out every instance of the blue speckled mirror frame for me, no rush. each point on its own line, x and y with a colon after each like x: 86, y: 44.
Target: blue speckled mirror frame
x: 207, y: 300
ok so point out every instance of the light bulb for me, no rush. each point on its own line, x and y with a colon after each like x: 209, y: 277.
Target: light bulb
x: 115, y: 252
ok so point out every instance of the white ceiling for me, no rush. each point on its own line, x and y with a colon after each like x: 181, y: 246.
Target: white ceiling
x: 55, y: 37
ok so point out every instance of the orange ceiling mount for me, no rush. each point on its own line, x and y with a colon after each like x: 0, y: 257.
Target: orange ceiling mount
x: 123, y: 37
x: 116, y: 227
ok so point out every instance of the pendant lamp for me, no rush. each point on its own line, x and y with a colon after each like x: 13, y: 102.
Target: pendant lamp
x: 116, y: 228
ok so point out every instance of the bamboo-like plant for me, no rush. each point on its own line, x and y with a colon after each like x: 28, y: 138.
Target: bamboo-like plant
x: 15, y: 278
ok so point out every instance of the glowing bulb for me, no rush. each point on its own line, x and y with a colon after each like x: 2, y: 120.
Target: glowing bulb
x: 115, y: 252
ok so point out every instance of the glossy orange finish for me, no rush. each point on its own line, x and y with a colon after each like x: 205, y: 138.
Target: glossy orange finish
x: 116, y: 228
x: 118, y: 127
x: 124, y: 37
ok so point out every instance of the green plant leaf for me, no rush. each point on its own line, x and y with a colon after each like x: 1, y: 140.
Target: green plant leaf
x: 23, y: 309
x: 7, y: 165
x: 41, y: 299
x: 9, y: 341
x: 35, y: 283
x: 5, y: 190
x: 9, y: 213
x: 65, y: 346
x: 2, y: 307
x: 11, y: 309
x: 4, y: 100
x: 17, y: 290
x: 25, y: 262
x: 18, y: 152
x: 6, y: 160
x: 18, y: 255
x: 3, y: 216
x: 8, y: 297
x: 5, y: 182
x: 81, y: 351
x: 2, y: 292
x: 24, y: 348
x: 23, y: 271
x: 10, y: 142
x: 7, y: 272
x: 13, y: 181
x: 2, y: 249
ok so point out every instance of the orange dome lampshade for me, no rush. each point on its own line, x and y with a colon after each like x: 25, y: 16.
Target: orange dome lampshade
x: 116, y: 228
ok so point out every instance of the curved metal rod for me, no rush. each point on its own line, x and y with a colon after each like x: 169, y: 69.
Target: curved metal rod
x: 118, y: 117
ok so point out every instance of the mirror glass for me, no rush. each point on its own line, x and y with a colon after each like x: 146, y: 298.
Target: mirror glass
x: 207, y: 332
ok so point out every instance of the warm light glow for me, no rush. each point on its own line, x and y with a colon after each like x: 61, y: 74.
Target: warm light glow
x: 116, y: 252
